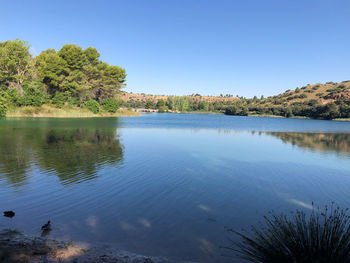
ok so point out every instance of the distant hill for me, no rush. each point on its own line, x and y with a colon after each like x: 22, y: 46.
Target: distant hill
x: 321, y: 101
x: 125, y: 96
x: 323, y: 93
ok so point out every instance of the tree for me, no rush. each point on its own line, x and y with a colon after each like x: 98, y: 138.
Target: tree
x: 80, y: 73
x: 149, y: 104
x: 74, y: 56
x: 52, y: 70
x: 15, y: 62
x: 160, y: 103
x: 331, y: 111
x: 91, y: 55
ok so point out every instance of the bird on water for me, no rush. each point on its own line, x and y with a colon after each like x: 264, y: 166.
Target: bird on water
x: 47, y: 226
x: 9, y: 213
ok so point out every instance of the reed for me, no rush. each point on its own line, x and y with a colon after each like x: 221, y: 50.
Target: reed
x: 322, y: 236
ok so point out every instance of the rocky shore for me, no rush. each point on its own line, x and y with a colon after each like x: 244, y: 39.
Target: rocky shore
x: 15, y: 247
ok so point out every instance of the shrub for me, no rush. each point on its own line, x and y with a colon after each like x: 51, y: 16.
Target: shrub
x: 309, y: 91
x: 160, y: 103
x: 73, y: 101
x: 93, y: 106
x: 239, y: 110
x: 34, y: 94
x: 59, y: 99
x: 322, y: 236
x: 110, y: 105
x: 30, y: 110
x: 162, y: 109
x: 149, y: 104
x: 3, y: 107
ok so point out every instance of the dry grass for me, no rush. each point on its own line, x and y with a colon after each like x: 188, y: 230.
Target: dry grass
x: 66, y: 112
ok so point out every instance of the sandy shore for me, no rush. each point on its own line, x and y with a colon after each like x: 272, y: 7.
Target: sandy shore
x: 15, y: 247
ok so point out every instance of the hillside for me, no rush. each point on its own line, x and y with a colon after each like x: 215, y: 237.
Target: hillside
x: 125, y: 96
x: 323, y: 93
x: 322, y: 101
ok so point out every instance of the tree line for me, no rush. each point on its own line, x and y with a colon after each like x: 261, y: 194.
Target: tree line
x: 77, y: 77
x: 310, y: 109
x: 72, y: 75
x: 244, y: 107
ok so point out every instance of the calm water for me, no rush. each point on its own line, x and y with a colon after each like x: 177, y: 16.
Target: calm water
x: 167, y: 184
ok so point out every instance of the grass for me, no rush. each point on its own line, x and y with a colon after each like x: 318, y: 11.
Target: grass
x: 345, y: 119
x: 65, y: 112
x: 323, y: 236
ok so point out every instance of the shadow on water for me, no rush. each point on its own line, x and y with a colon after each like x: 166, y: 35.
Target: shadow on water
x: 74, y: 153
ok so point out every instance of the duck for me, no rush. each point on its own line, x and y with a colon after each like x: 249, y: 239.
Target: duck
x: 9, y: 213
x: 47, y: 226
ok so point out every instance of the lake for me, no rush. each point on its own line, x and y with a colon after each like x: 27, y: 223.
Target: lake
x: 167, y: 184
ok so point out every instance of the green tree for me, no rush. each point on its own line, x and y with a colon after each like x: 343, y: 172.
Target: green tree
x: 74, y: 56
x: 160, y: 103
x: 15, y: 62
x: 331, y: 111
x: 149, y: 104
x: 52, y: 70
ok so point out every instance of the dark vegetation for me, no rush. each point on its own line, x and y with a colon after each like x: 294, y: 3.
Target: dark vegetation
x: 323, y: 236
x: 71, y: 76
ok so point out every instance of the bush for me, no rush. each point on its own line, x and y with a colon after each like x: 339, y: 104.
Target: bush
x: 160, y: 103
x: 322, y: 236
x: 3, y: 107
x: 239, y: 110
x: 149, y: 104
x: 110, y: 105
x: 34, y: 94
x: 162, y: 109
x: 60, y: 99
x: 74, y: 101
x: 93, y: 106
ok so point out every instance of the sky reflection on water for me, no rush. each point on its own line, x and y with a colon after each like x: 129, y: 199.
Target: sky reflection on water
x: 166, y: 188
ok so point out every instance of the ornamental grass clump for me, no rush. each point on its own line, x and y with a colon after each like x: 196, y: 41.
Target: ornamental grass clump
x: 322, y: 236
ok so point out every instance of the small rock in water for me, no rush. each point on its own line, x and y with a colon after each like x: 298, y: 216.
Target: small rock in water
x: 9, y: 214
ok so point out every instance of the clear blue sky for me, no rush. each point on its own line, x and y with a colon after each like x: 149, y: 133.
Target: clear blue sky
x: 245, y: 47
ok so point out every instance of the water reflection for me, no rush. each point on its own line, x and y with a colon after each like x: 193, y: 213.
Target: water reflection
x: 81, y: 152
x: 73, y: 154
x: 322, y: 142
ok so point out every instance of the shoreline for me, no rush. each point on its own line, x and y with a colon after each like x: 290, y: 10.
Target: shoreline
x: 17, y: 247
x: 47, y: 111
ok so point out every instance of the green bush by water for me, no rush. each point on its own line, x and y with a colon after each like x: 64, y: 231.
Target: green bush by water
x: 93, y: 106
